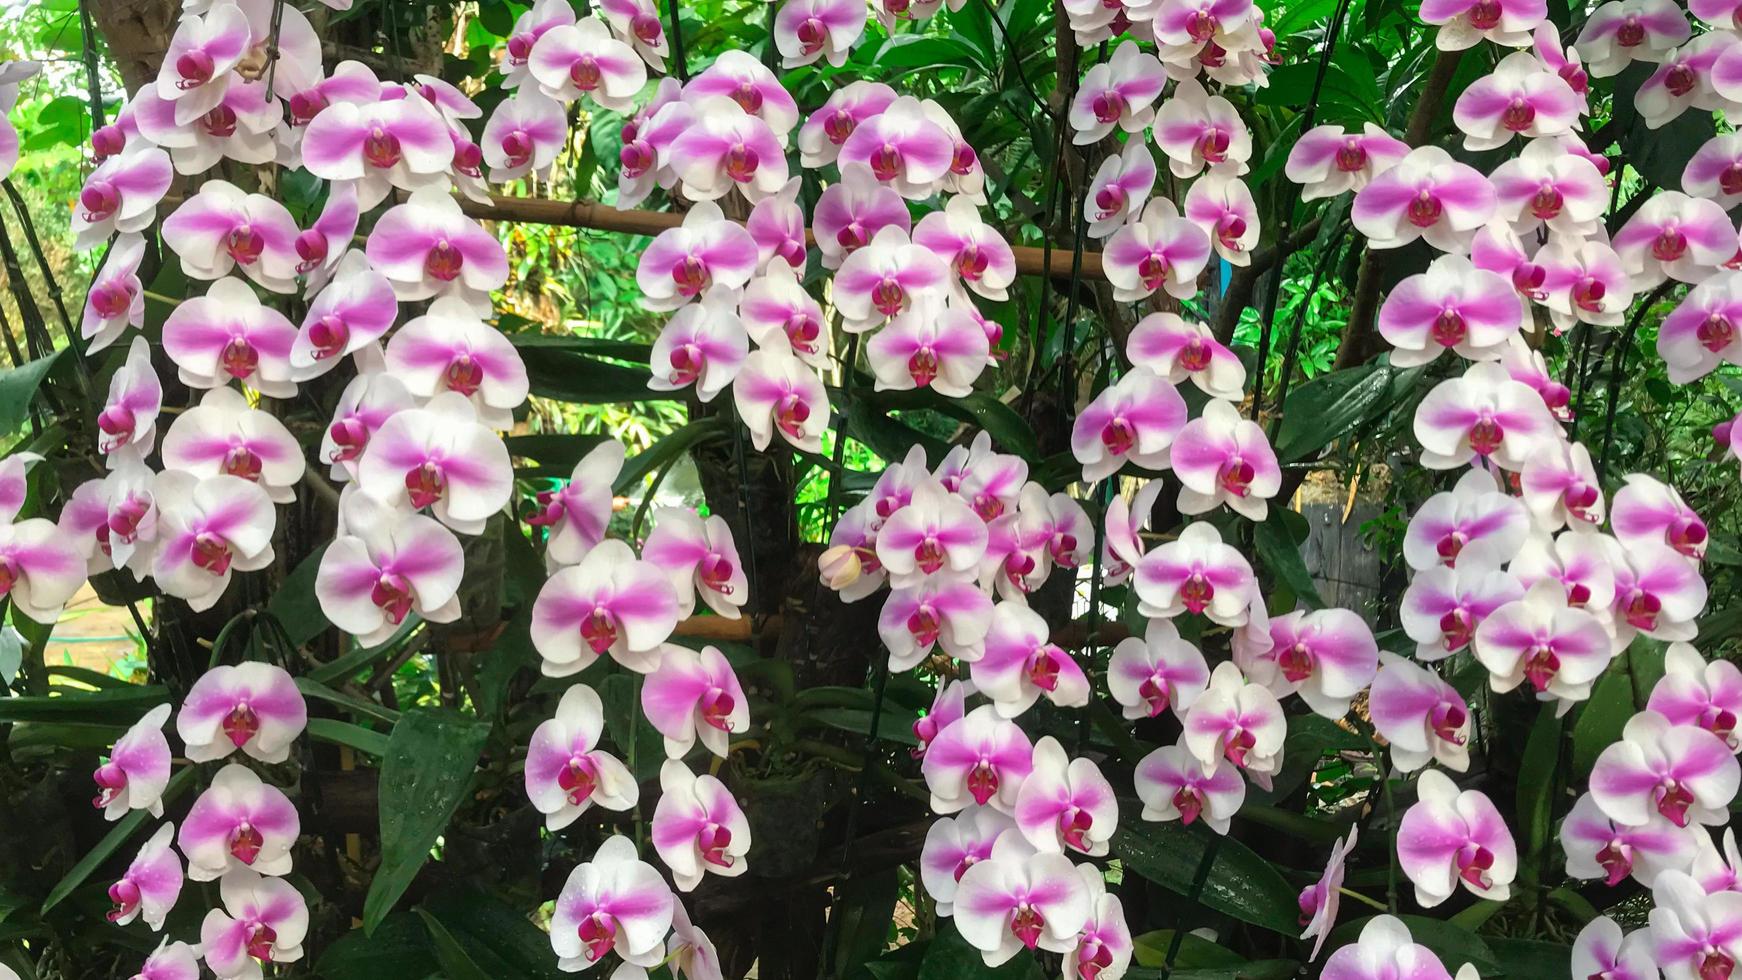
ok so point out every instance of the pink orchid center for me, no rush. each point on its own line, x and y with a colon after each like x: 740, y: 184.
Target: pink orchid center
x: 963, y: 159
x: 1541, y: 664
x: 1309, y: 900
x: 240, y: 725
x: 971, y: 263
x: 741, y: 162
x: 1425, y: 209
x: 1547, y: 202
x: 1156, y: 693
x: 117, y: 422
x: 1108, y: 106
x: 1351, y: 156
x: 211, y: 552
x: 108, y: 141
x: 381, y: 148
x: 243, y: 462
x: 1238, y: 746
x: 1457, y: 629
x: 220, y: 123
x: 245, y: 244
x: 585, y: 73
x: 1687, y: 535
x: 328, y: 336
x: 1119, y: 436
x: 748, y: 97
x: 600, y: 629
x: 636, y: 157
x: 1558, y: 397
x: 517, y: 146
x: 1017, y: 567
x: 464, y: 375
x: 716, y: 708
x: 1519, y: 115
x: 246, y: 842
x: 1730, y: 181
x: 1152, y: 269
x: 1575, y: 77
x: 888, y: 296
x: 839, y: 125
x: 311, y: 250
x: 1447, y: 722
x: 1579, y: 499
x: 647, y: 29
x: 922, y: 366
x: 1616, y: 858
x: 1449, y: 328
x: 691, y: 275
x: 1236, y: 476
x: 790, y: 415
x: 261, y: 939
x: 578, y: 779
x: 239, y: 358
x: 1189, y: 801
x: 444, y: 261
x: 1474, y: 863
x: 1043, y: 668
x: 1715, y: 333
x: 350, y: 436
x: 1212, y: 55
x: 1200, y: 26
x: 1485, y: 14
x: 520, y: 47
x: 924, y: 625
x: 1197, y: 592
x: 1673, y: 800
x: 195, y: 68
x: 1026, y: 924
x: 715, y: 572
x: 392, y: 595
x: 1588, y: 294
x: 1195, y: 355
x: 425, y: 483
x: 1486, y: 436
x: 111, y: 299
x: 713, y: 840
x: 988, y: 507
x: 100, y: 199
x: 885, y: 162
x: 812, y: 34
x: 125, y: 895
x: 1642, y: 611
x: 1297, y: 662
x: 1669, y: 245
x: 1527, y: 278
x: 1213, y: 145
x: 1631, y: 33
x: 929, y: 555
x: 983, y: 781
x: 1074, y: 825
x: 1062, y: 546
x: 1681, y: 79
x: 926, y: 729
x: 598, y: 934
x: 1578, y: 594
x: 305, y: 106
x: 111, y: 781
x: 852, y: 236
x: 1716, y: 965
x: 1229, y: 231
x: 468, y: 157
x: 1109, y: 201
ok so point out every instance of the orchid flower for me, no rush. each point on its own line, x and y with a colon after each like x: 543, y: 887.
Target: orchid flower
x: 450, y: 349
x: 701, y: 558
x: 826, y: 129
x: 1694, y: 692
x: 726, y: 148
x: 1714, y: 172
x: 239, y: 823
x: 121, y: 195
x: 1685, y: 773
x: 223, y: 434
x: 1198, y: 573
x: 1237, y: 720
x: 1327, y: 656
x: 777, y: 225
x: 1694, y: 935
x: 971, y: 248
x: 694, y: 695
x: 1327, y: 161
x: 566, y: 772
x: 1601, y: 951
x: 1658, y: 592
x: 137, y: 770
x: 355, y: 309
x: 579, y: 514
x: 612, y: 903
x: 1135, y: 419
x: 116, y: 299
x: 1547, y: 186
x: 398, y: 144
x: 992, y: 482
x: 1703, y: 331
x: 1065, y: 804
x: 698, y: 828
x: 1675, y: 236
x: 170, y: 961
x: 1474, y: 523
x: 250, y: 706
x: 441, y: 458
x: 40, y: 570
x: 128, y: 421
x: 239, y: 127
x: 1224, y: 205
x: 1453, y: 305
x: 1320, y: 900
x: 890, y: 276
x: 1583, y: 282
x: 1221, y: 458
x: 1384, y: 951
x: 196, y: 65
x: 228, y: 333
x: 1018, y: 898
x: 1422, y: 717
x: 937, y: 532
x: 427, y: 247
x: 531, y: 25
x: 940, y: 611
x: 645, y: 158
x: 902, y: 147
x: 926, y: 347
x: 1648, y: 511
x: 222, y: 228
x: 1443, y: 607
x: 1452, y: 837
x: 610, y: 603
x: 807, y: 31
x: 349, y: 81
x: 1117, y: 93
x: 704, y: 252
x: 368, y: 401
x: 691, y: 954
x: 1600, y: 847
x: 1019, y: 664
x: 580, y: 59
x: 1701, y: 74
x: 1425, y: 195
x: 777, y: 300
x: 1120, y: 188
x: 1561, y: 649
x: 206, y: 530
x: 1486, y: 415
x: 1521, y: 96
x: 1620, y: 31
x: 853, y: 211
x: 1560, y: 488
x: 1178, y: 349
x: 114, y: 519
x: 1158, y: 250
x: 1198, y: 130
x: 850, y: 565
x: 1174, y: 785
x: 981, y: 758
x: 386, y: 565
x: 264, y: 920
x: 775, y: 391
x: 1157, y: 672
x: 955, y: 844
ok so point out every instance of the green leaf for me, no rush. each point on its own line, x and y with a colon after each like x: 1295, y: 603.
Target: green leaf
x: 1239, y: 882
x: 1150, y: 949
x: 398, y: 948
x: 18, y: 386
x: 1527, y: 959
x: 576, y: 378
x: 1008, y: 430
x: 1605, y: 714
x: 557, y: 453
x: 675, y: 443
x: 1280, y: 552
x: 114, y: 706
x: 345, y: 733
x: 456, y: 963
x: 639, y: 744
x: 118, y: 835
x: 949, y: 957
x: 495, y: 936
x: 867, y: 904
x: 1329, y: 406
x: 357, y: 706
x: 892, y: 726
x: 424, y: 775
x: 295, y: 605
x: 1537, y: 778
x: 1256, y: 970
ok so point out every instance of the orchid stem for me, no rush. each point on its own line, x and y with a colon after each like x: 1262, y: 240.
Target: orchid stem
x: 1364, y: 900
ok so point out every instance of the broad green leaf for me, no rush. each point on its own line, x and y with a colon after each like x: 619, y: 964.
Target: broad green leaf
x: 893, y: 725
x: 121, y: 833
x: 1008, y: 430
x: 456, y: 962
x: 1238, y: 883
x: 399, y: 948
x: 345, y: 733
x: 576, y: 378
x: 1256, y: 970
x: 675, y: 443
x: 949, y: 957
x: 1528, y: 959
x: 18, y: 386
x: 424, y: 776
x: 639, y: 744
x: 295, y: 605
x: 1605, y: 714
x: 1280, y: 552
x: 114, y: 706
x: 556, y: 453
x: 1537, y: 778
x: 862, y: 918
x: 494, y: 935
x: 357, y: 706
x: 1195, y: 952
x: 1331, y: 405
